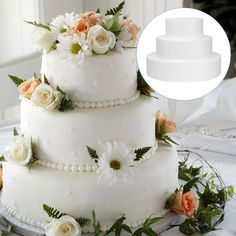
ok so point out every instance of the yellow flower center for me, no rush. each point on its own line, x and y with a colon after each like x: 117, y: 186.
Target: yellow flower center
x: 115, y: 165
x: 62, y: 30
x: 75, y: 48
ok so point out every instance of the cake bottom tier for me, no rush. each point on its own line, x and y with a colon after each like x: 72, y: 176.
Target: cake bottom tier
x: 77, y: 194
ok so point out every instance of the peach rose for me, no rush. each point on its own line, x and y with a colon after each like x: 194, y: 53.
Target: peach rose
x: 185, y: 203
x: 90, y: 17
x: 27, y: 88
x: 86, y: 21
x: 164, y: 124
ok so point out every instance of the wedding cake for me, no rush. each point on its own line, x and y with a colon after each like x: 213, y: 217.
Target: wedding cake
x: 89, y: 131
x: 184, y: 53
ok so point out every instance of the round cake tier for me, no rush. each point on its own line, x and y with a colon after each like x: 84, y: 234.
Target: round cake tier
x: 183, y: 70
x: 188, y: 48
x: 62, y: 137
x: 184, y: 27
x: 99, y: 78
x: 77, y: 194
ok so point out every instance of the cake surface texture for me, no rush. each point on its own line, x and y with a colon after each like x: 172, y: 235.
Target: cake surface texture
x: 91, y: 135
x: 184, y: 53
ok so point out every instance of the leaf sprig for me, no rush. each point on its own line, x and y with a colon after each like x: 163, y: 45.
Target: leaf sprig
x: 113, y: 24
x: 52, y: 212
x: 34, y: 23
x: 115, y: 10
x: 16, y: 80
x: 140, y: 152
x: 93, y: 154
x: 212, y: 194
x: 66, y: 103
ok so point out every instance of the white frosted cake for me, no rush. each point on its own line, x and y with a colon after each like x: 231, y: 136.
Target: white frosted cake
x: 184, y: 53
x: 91, y: 143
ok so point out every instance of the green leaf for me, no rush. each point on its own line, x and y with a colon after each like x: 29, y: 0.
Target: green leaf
x: 60, y: 90
x: 168, y: 140
x: 66, y: 103
x: 16, y: 80
x: 34, y: 23
x: 150, y: 221
x: 15, y: 132
x: 83, y: 221
x: 138, y: 232
x: 98, y: 10
x: 230, y: 191
x: 115, y: 10
x: 2, y: 158
x: 118, y: 226
x: 45, y: 80
x: 53, y: 47
x: 96, y: 224
x: 52, y: 212
x: 188, y: 227
x: 33, y: 159
x: 143, y: 86
x: 93, y: 154
x: 140, y: 152
x: 113, y: 24
x: 187, y: 187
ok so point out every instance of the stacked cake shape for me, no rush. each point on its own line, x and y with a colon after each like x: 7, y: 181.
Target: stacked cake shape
x: 184, y: 53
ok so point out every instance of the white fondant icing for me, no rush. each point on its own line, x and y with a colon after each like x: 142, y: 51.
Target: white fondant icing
x: 132, y: 123
x: 100, y: 78
x: 48, y: 186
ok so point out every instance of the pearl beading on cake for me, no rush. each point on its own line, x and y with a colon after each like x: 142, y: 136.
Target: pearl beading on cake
x: 87, y: 168
x: 85, y: 229
x: 110, y: 103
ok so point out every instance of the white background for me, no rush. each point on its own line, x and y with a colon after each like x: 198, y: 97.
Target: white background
x: 183, y: 90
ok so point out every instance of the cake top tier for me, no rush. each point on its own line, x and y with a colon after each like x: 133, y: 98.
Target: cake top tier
x: 85, y: 34
x: 182, y: 27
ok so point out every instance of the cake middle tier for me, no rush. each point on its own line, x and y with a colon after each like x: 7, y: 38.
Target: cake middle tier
x: 62, y: 137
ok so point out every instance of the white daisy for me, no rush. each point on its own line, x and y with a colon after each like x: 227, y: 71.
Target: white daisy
x: 116, y: 163
x: 62, y: 23
x: 73, y: 48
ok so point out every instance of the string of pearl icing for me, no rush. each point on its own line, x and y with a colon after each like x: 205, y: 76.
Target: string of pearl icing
x: 87, y: 168
x: 85, y: 229
x: 110, y: 103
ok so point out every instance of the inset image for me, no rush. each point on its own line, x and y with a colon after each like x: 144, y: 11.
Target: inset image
x: 183, y: 54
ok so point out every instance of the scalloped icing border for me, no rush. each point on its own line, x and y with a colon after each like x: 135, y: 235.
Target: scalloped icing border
x: 108, y: 103
x: 85, y: 229
x: 87, y: 168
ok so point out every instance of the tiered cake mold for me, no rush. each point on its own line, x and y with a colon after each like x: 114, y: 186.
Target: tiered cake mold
x: 184, y: 53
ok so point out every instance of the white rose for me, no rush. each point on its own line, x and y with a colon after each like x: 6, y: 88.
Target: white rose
x: 64, y: 226
x: 100, y: 40
x: 42, y: 38
x: 44, y: 96
x: 19, y: 152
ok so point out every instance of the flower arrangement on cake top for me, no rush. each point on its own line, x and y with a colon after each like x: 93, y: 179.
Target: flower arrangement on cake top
x: 88, y: 33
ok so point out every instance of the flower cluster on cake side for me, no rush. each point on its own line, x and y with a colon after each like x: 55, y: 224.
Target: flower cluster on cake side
x: 86, y: 34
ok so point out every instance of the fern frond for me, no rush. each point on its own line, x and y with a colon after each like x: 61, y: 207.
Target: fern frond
x: 52, y: 212
x: 16, y: 80
x: 93, y: 154
x: 114, y: 10
x: 140, y: 152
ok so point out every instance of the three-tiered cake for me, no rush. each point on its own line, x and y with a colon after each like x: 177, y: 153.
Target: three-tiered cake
x: 88, y: 136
